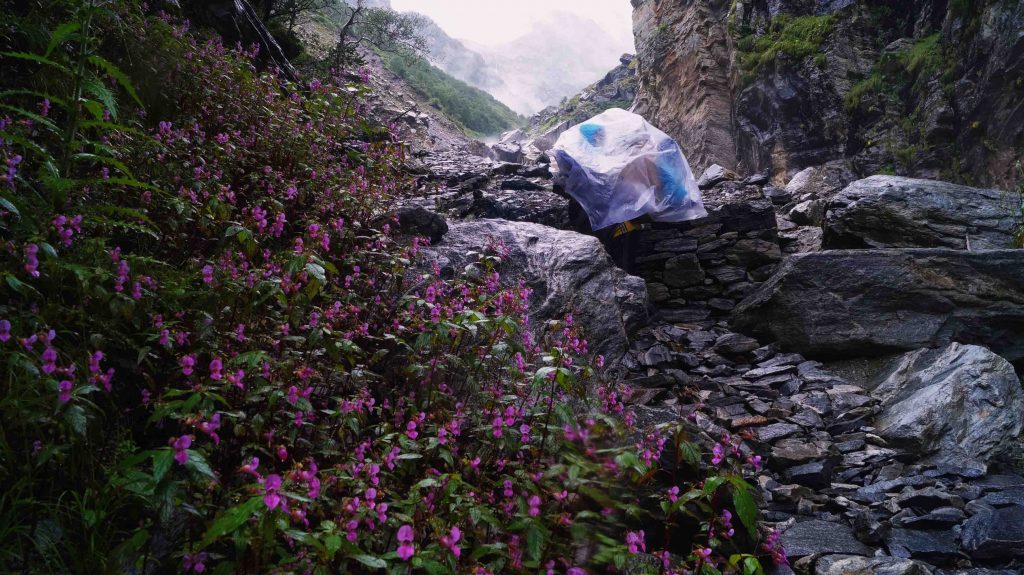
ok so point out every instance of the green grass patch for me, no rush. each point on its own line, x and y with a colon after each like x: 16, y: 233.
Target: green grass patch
x: 870, y: 85
x: 475, y: 111
x: 795, y: 37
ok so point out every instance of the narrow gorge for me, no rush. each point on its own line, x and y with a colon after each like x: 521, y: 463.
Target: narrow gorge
x: 845, y: 308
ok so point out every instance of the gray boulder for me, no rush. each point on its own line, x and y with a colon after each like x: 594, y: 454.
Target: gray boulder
x: 715, y: 174
x: 995, y: 533
x: 956, y: 403
x: 862, y: 302
x: 820, y: 182
x: 895, y: 212
x: 808, y: 213
x: 420, y: 221
x: 568, y: 273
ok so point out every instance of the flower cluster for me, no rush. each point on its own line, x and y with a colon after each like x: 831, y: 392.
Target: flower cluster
x: 233, y: 328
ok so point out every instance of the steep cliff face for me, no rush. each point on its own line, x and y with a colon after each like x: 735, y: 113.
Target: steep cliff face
x: 685, y: 53
x: 930, y: 88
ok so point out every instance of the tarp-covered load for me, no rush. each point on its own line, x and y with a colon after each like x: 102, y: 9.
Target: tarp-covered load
x: 619, y: 168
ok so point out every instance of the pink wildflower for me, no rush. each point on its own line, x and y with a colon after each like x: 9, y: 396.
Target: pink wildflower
x: 405, y: 547
x: 181, y: 445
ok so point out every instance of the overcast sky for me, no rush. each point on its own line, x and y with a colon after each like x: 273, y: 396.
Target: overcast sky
x: 492, y: 22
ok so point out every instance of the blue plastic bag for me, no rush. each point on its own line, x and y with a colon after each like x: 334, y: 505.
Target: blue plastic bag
x: 619, y: 167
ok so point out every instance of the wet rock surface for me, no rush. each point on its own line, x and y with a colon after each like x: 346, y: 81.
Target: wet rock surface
x: 863, y: 302
x: 960, y: 402
x: 895, y: 212
x: 568, y: 273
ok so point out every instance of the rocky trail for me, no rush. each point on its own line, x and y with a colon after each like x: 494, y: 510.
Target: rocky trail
x: 890, y: 458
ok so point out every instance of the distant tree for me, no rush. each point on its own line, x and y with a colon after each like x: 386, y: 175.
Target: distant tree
x: 289, y: 10
x: 379, y: 28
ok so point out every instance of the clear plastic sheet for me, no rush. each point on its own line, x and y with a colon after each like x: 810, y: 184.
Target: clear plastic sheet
x: 619, y: 168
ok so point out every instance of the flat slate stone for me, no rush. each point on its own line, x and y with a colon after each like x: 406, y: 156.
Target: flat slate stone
x: 852, y: 564
x: 817, y: 537
x: 776, y: 431
x: 941, y: 518
x: 912, y: 543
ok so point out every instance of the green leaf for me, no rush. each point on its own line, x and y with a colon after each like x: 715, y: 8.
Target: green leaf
x: 534, y: 541
x: 231, y: 520
x: 101, y: 92
x: 712, y: 484
x: 21, y: 287
x: 35, y: 94
x: 317, y: 271
x: 75, y: 417
x: 118, y: 75
x: 197, y: 463
x: 32, y: 116
x: 37, y: 59
x: 60, y: 35
x: 752, y: 566
x: 746, y: 509
x: 371, y: 561
x: 162, y: 463
x: 332, y: 543
x: 112, y: 127
x: 10, y: 207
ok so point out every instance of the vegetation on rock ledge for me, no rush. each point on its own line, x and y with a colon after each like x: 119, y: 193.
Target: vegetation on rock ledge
x: 795, y: 37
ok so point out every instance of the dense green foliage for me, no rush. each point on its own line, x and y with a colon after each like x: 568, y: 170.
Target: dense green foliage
x: 794, y: 37
x: 219, y: 357
x: 474, y: 110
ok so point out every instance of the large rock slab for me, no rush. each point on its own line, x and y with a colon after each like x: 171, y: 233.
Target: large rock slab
x: 568, y: 272
x: 995, y: 533
x: 852, y: 564
x: 956, y: 403
x: 896, y: 212
x: 849, y: 303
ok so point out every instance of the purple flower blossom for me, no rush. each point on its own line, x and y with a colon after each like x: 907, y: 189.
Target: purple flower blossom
x: 635, y: 542
x: 717, y: 454
x: 534, y: 504
x: 216, y: 365
x: 195, y: 562
x: 188, y: 364
x: 64, y: 391
x: 270, y: 486
x: 5, y: 330
x: 49, y: 358
x: 31, y: 260
x: 451, y: 540
x: 673, y: 494
x: 405, y: 547
x: 181, y: 445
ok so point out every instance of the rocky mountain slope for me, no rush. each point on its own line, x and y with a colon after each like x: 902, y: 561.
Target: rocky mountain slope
x: 926, y: 88
x: 521, y: 73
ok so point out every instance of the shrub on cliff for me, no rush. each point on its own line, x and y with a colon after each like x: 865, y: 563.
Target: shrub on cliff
x: 218, y: 357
